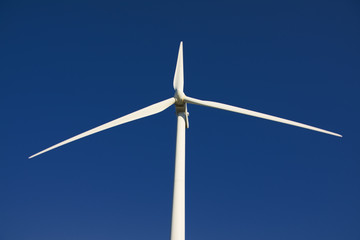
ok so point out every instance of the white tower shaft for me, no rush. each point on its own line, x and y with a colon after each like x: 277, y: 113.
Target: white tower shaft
x: 178, y: 210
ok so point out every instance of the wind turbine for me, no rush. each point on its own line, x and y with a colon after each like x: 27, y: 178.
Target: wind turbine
x: 180, y: 100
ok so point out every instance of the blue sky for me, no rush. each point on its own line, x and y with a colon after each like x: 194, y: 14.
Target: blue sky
x: 68, y: 66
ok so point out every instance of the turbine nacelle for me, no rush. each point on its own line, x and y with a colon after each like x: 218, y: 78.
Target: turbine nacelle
x: 181, y: 106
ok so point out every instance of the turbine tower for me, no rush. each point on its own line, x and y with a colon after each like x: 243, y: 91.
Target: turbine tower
x: 180, y: 100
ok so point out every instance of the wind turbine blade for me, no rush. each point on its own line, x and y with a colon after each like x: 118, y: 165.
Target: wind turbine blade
x: 254, y: 114
x: 179, y: 71
x: 145, y: 112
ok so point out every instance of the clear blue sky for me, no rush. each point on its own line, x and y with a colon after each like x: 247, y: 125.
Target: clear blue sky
x: 68, y: 66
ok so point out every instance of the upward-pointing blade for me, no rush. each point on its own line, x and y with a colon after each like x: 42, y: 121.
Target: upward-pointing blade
x: 254, y: 114
x: 145, y: 112
x: 179, y: 71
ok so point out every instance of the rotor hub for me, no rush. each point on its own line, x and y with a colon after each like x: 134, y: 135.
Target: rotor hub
x: 179, y: 97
